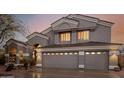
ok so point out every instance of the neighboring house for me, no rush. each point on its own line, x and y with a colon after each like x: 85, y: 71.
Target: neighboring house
x: 75, y: 41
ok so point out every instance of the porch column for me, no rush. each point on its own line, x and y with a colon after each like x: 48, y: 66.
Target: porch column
x: 17, y: 55
x: 39, y: 57
x: 6, y: 58
x: 81, y: 59
x: 6, y: 54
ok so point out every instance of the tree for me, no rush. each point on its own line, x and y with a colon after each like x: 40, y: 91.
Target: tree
x: 8, y: 25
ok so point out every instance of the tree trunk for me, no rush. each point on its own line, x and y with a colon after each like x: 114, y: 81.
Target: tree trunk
x: 2, y: 37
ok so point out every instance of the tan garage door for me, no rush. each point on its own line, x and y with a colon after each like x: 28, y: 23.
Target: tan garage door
x: 96, y: 60
x: 60, y: 60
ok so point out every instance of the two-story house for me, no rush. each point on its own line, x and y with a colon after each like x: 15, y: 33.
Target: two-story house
x: 75, y: 41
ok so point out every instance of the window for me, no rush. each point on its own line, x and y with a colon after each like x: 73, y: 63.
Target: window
x: 65, y: 53
x: 98, y: 53
x: 65, y: 36
x: 92, y: 53
x: 48, y: 53
x: 44, y: 53
x: 61, y: 53
x: 52, y: 54
x: 57, y: 53
x: 83, y: 35
x: 70, y: 53
x: 87, y: 53
x: 75, y: 53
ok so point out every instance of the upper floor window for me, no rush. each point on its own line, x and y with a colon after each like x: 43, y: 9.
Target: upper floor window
x: 83, y: 35
x: 65, y: 36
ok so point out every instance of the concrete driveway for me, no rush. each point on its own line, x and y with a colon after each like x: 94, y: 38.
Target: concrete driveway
x: 67, y: 73
x: 59, y: 73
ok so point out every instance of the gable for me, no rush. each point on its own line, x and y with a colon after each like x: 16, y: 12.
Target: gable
x: 91, y: 19
x: 37, y: 40
x: 85, y: 23
x: 37, y: 34
x: 76, y: 21
x: 12, y: 45
x: 84, y: 17
x: 64, y: 23
x: 15, y: 42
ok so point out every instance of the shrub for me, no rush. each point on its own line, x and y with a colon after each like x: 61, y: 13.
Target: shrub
x: 2, y: 57
x: 28, y: 60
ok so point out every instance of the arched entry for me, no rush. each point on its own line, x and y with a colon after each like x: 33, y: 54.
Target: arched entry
x: 37, y: 54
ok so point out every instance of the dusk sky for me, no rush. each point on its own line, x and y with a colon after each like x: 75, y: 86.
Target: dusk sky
x: 39, y: 22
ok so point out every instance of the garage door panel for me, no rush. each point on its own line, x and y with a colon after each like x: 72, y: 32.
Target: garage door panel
x: 96, y: 61
x: 60, y: 61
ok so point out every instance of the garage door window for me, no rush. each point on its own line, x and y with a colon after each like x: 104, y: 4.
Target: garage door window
x: 44, y: 53
x: 52, y: 54
x: 93, y: 53
x: 87, y: 53
x: 48, y: 53
x: 98, y: 53
x: 65, y: 53
x: 62, y: 53
x: 57, y: 53
x: 75, y: 53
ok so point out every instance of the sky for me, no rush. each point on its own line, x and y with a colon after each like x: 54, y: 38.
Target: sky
x: 39, y: 22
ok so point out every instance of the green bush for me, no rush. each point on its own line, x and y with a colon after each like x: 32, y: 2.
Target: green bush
x: 28, y: 60
x: 2, y: 57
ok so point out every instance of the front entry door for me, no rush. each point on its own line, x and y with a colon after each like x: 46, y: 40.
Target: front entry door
x: 12, y: 58
x: 12, y: 55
